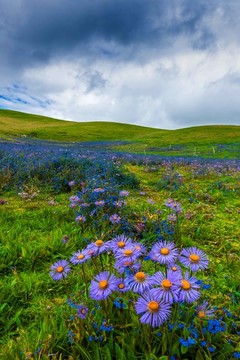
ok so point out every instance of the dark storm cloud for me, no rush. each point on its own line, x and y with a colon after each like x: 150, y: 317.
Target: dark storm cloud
x: 163, y: 63
x: 34, y: 31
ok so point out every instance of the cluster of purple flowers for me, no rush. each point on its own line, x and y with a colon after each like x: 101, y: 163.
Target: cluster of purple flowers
x: 92, y: 203
x: 157, y: 292
x: 173, y: 205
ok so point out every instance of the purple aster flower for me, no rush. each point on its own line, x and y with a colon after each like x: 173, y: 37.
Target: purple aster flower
x: 168, y: 286
x: 98, y: 247
x: 99, y: 203
x: 65, y: 239
x: 155, y: 311
x: 75, y: 199
x: 151, y: 201
x: 188, y: 289
x: 59, y: 270
x: 119, y: 203
x: 164, y: 252
x: 121, y: 285
x: 176, y: 207
x: 103, y: 285
x: 80, y: 219
x: 127, y: 266
x: 85, y: 204
x: 140, y: 249
x: 71, y: 183
x: 193, y: 258
x: 119, y: 242
x: 80, y: 257
x: 173, y: 205
x: 98, y: 190
x: 124, y: 193
x: 115, y: 219
x: 204, y: 311
x: 140, y: 226
x: 169, y: 202
x: 73, y: 205
x: 127, y: 253
x: 82, y: 312
x: 172, y: 217
x: 139, y: 282
x: 175, y: 268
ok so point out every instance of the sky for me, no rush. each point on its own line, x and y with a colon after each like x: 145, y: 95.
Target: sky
x: 161, y: 63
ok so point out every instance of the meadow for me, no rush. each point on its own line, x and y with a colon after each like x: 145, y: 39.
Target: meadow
x: 112, y: 251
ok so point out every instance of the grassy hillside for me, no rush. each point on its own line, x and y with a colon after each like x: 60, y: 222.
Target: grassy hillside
x: 13, y: 123
x: 199, y: 140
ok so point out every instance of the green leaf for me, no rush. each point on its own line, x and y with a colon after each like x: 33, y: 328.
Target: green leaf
x: 199, y: 355
x: 107, y: 354
x: 119, y: 352
x: 184, y: 349
x: 85, y: 355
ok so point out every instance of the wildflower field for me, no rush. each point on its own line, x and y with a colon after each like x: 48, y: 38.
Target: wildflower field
x: 118, y: 255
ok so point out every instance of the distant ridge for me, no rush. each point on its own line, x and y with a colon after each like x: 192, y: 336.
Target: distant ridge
x: 14, y: 124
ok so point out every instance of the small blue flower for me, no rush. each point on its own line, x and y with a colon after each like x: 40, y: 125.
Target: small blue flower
x: 183, y: 342
x: 206, y: 286
x: 215, y: 326
x: 181, y: 326
x: 37, y: 351
x: 187, y: 343
x: 211, y: 349
x: 70, y: 337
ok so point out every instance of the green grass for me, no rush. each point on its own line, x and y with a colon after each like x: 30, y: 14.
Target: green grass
x: 33, y: 309
x: 193, y: 141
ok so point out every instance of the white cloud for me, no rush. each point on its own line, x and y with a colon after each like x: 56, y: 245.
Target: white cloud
x: 192, y: 87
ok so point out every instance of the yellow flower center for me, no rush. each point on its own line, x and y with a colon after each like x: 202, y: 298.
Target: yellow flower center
x: 174, y: 268
x: 121, y: 244
x: 128, y: 252
x: 103, y: 284
x: 201, y: 314
x: 81, y: 256
x: 164, y: 251
x: 83, y: 311
x: 60, y: 269
x: 153, y: 306
x: 140, y: 276
x: 166, y: 284
x: 99, y: 243
x: 194, y: 258
x: 186, y: 285
x: 138, y: 247
x: 121, y: 286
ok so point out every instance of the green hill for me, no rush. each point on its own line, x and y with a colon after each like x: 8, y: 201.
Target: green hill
x: 15, y: 124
